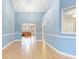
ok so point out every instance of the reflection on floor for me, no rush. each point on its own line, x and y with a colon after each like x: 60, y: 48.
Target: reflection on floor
x: 28, y: 50
x: 27, y: 42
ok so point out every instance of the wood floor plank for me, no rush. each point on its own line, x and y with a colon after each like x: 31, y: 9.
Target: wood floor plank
x: 36, y: 51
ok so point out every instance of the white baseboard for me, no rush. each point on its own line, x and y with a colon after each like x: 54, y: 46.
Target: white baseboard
x: 13, y: 42
x: 36, y: 40
x: 65, y: 54
x: 39, y: 40
x: 8, y: 45
x: 17, y: 40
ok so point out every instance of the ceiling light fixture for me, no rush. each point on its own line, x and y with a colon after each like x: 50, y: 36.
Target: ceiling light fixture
x: 28, y: 8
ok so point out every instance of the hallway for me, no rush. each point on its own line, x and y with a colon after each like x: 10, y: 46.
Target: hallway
x: 39, y: 29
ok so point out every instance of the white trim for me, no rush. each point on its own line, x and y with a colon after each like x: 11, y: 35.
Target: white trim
x: 31, y: 12
x: 63, y: 18
x: 60, y: 36
x: 70, y: 7
x: 13, y: 42
x: 29, y: 24
x: 65, y: 54
x: 8, y: 34
x: 39, y: 40
x: 8, y: 45
x: 68, y: 32
x: 43, y: 29
x: 20, y: 40
x: 28, y: 27
x: 15, y: 33
x: 17, y: 40
x: 18, y: 33
x: 40, y: 33
x: 37, y: 33
x: 46, y: 44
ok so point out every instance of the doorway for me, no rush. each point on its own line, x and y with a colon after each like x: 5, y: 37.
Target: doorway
x: 28, y: 33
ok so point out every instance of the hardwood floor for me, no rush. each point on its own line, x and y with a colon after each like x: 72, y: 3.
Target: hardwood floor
x: 33, y: 51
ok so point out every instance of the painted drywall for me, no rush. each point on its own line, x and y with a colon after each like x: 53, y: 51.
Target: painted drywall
x: 33, y: 17
x: 67, y: 3
x: 52, y: 19
x: 53, y: 27
x: 65, y: 45
x: 8, y: 18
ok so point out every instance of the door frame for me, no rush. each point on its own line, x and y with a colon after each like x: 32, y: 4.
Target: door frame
x: 30, y: 24
x: 43, y: 30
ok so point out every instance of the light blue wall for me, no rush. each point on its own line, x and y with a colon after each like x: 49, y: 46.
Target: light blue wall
x: 67, y: 3
x: 8, y: 18
x: 13, y: 21
x: 52, y: 19
x: 53, y: 27
x: 23, y: 17
x: 65, y: 45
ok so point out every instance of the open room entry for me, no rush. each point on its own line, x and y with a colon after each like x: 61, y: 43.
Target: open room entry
x: 28, y: 33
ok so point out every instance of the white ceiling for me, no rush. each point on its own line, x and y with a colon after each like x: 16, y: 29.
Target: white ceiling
x: 34, y: 5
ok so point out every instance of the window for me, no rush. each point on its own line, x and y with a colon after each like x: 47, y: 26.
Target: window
x: 69, y: 20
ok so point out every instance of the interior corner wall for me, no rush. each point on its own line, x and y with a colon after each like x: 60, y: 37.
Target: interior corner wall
x: 24, y: 17
x: 63, y: 43
x: 8, y: 22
